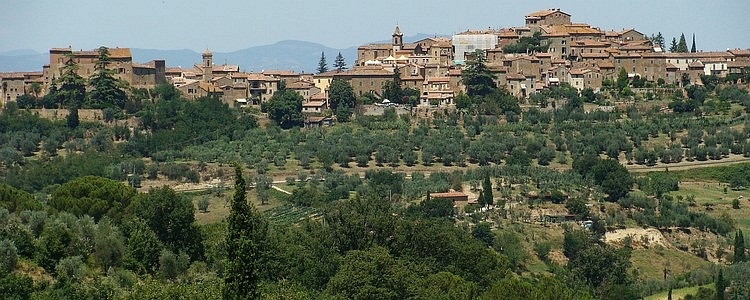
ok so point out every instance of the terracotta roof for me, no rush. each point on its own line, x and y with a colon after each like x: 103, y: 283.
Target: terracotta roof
x: 695, y: 64
x: 366, y: 71
x: 738, y: 64
x: 544, y: 13
x: 671, y: 67
x: 579, y: 71
x: 260, y: 77
x: 60, y: 50
x: 606, y: 65
x: 699, y: 55
x: 279, y: 73
x: 300, y: 85
x: 515, y: 77
x: 451, y: 194
x: 226, y: 68
x: 376, y: 47
x: 318, y: 97
x: 594, y: 55
x: 314, y: 104
x: 12, y: 75
x: 119, y: 53
x: 507, y: 33
x: 739, y: 52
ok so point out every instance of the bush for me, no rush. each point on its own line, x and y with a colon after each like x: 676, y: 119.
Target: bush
x: 203, y: 204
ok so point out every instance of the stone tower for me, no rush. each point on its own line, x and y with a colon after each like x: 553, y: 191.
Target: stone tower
x: 397, y: 41
x: 208, y: 66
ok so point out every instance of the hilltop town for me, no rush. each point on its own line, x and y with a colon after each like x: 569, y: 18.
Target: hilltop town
x: 553, y: 160
x: 561, y: 51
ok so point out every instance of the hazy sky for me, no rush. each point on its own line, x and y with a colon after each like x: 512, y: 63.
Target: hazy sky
x: 227, y: 25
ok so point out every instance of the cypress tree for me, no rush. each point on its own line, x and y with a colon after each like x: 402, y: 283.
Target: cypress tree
x: 339, y: 63
x: 739, y: 247
x: 720, y: 285
x: 246, y: 234
x: 487, y: 192
x: 682, y: 44
x: 692, y: 49
x: 322, y: 64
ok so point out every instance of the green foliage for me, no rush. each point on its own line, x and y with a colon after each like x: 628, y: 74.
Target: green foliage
x: 613, y: 177
x: 143, y: 247
x: 93, y: 196
x: 477, y: 78
x: 8, y: 257
x: 483, y: 232
x: 485, y: 197
x: 740, y: 254
x: 285, y: 108
x: 106, y: 90
x: 16, y: 200
x: 322, y: 64
x: 246, y: 235
x: 341, y: 95
x: 527, y: 44
x: 658, y: 183
x: 339, y: 64
x: 374, y: 274
x: 171, y: 217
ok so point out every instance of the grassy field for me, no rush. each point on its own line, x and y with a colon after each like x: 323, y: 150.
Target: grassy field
x: 649, y: 263
x: 678, y: 294
x: 218, y: 207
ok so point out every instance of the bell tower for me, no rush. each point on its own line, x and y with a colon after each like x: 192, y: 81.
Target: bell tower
x: 208, y: 65
x: 397, y: 41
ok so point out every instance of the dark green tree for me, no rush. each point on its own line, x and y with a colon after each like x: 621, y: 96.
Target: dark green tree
x: 658, y: 40
x: 106, y: 90
x: 93, y: 196
x: 739, y: 247
x: 339, y: 63
x: 393, y: 91
x: 486, y: 198
x: 673, y: 45
x: 622, y: 80
x: 721, y: 285
x: 476, y: 76
x: 483, y: 232
x: 285, y: 108
x: 72, y: 87
x: 322, y: 64
x: 613, y: 177
x: 341, y: 94
x: 682, y: 44
x: 172, y: 218
x: 692, y: 48
x: 246, y: 235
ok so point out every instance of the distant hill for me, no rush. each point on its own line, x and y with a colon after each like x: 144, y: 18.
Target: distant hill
x: 285, y: 55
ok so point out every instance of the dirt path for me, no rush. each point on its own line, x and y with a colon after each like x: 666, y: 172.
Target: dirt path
x: 686, y: 165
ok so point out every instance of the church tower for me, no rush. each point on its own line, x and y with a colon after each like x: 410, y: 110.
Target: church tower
x: 208, y: 66
x: 397, y: 41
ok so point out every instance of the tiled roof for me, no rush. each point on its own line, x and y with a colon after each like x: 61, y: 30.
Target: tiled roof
x: 279, y: 73
x: 366, y: 71
x: 515, y: 77
x: 314, y: 104
x: 544, y: 13
x: 12, y: 75
x: 119, y: 53
x: 739, y: 52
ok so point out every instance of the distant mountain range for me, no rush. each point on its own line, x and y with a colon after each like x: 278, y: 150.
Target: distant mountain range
x: 292, y: 55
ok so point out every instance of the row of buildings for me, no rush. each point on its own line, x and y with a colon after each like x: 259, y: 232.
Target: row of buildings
x: 576, y: 53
